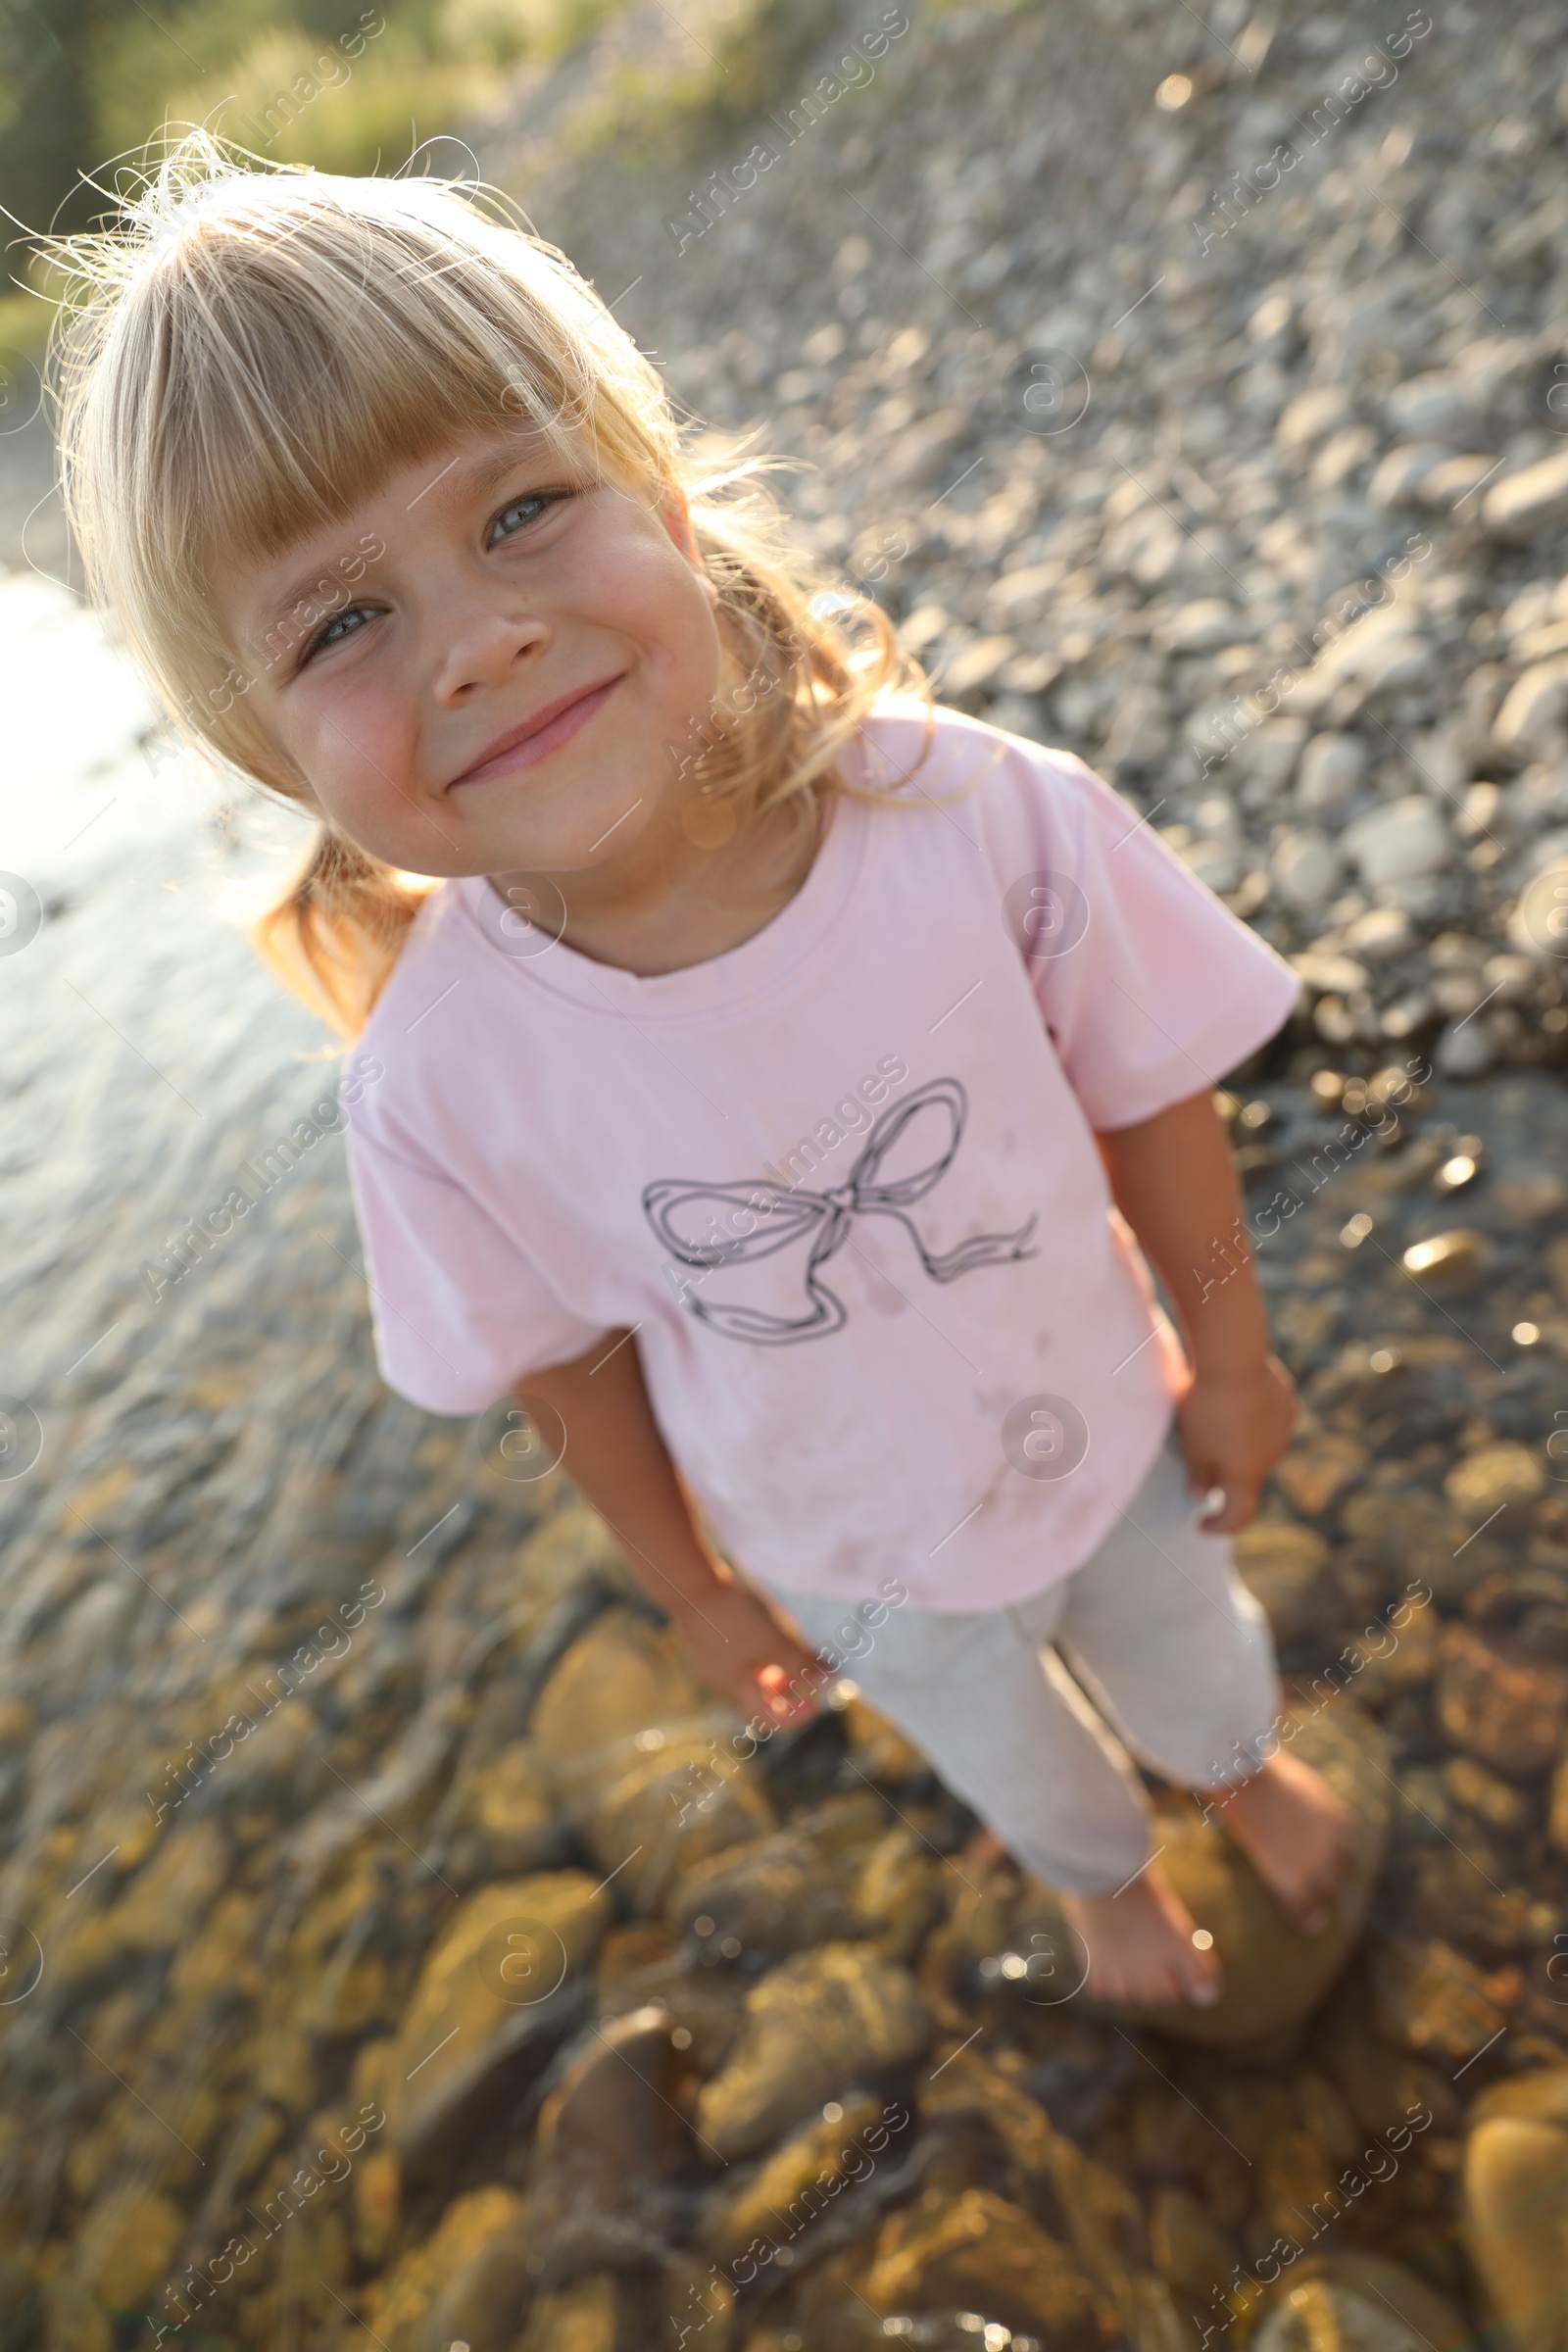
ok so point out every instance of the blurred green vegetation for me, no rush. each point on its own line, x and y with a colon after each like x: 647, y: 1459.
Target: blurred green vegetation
x: 347, y: 86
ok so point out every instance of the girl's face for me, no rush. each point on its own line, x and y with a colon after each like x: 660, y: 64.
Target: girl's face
x: 484, y: 667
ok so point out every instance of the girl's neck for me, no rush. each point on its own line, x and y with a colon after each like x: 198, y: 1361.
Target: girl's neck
x: 671, y: 903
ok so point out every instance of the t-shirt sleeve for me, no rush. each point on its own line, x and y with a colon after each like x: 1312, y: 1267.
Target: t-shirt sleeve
x: 459, y: 1313
x: 1151, y: 988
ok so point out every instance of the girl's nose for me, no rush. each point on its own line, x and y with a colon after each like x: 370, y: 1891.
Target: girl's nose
x: 480, y: 646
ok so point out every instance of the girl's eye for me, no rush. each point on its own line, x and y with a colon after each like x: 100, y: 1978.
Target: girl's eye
x: 520, y: 513
x: 343, y: 624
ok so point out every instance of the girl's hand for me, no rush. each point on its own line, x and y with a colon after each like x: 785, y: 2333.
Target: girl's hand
x: 1234, y: 1426
x: 741, y: 1651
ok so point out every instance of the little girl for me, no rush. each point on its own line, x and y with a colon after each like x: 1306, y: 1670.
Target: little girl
x: 776, y: 1070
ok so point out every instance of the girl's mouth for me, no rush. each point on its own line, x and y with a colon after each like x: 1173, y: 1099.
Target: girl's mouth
x: 534, y: 738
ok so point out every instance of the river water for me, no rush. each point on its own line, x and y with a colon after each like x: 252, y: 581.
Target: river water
x: 200, y: 1468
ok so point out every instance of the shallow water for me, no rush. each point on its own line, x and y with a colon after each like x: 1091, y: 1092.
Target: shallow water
x: 202, y: 1465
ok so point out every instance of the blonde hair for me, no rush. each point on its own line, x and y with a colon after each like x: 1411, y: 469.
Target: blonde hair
x: 254, y: 346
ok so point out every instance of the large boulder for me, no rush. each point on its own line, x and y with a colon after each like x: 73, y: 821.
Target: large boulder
x: 1516, y: 2205
x: 1274, y: 1975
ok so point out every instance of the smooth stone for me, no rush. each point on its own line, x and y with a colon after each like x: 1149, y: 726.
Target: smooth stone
x: 1309, y: 417
x: 1433, y: 402
x: 1286, y: 1567
x: 819, y: 2020
x: 1189, y: 2250
x: 803, y: 2177
x: 773, y: 1896
x: 403, y: 2304
x: 1465, y: 1053
x: 1401, y: 473
x: 1383, y: 2085
x: 1269, y: 755
x: 1494, y: 1800
x: 1195, y: 627
x: 1429, y: 1997
x: 482, y: 2303
x: 584, y: 2316
x: 1524, y: 501
x: 645, y: 1759
x: 1407, y: 839
x: 163, y: 1906
x: 623, y: 1676
x: 1383, y: 649
x: 1332, y: 768
x: 974, y: 665
x: 1500, y: 1704
x: 1492, y: 1477
x: 126, y: 2247
x: 1316, y: 1470
x: 616, y: 2109
x: 1305, y: 868
x: 1446, y: 488
x: 1380, y: 933
x: 1358, y: 2301
x: 976, y: 2252
x: 486, y: 2009
x: 1533, y: 709
x: 1452, y: 1257
x: 1516, y: 2205
x: 1103, y: 2219
x: 963, y: 2081
x: 513, y: 1819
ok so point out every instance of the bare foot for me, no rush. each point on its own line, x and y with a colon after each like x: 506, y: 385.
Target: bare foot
x: 1297, y: 1835
x: 1141, y: 1943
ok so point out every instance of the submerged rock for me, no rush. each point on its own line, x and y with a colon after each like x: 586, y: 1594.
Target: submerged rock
x: 470, y: 2273
x: 589, y: 2315
x: 1356, y: 2303
x: 814, y: 2025
x: 1431, y: 1997
x: 1500, y: 1703
x: 978, y: 2253
x: 507, y: 1978
x: 1286, y: 1567
x: 1516, y: 2206
x: 1274, y: 1975
x: 645, y: 1761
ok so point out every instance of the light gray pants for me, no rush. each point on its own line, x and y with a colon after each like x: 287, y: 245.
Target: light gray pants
x: 1171, y: 1649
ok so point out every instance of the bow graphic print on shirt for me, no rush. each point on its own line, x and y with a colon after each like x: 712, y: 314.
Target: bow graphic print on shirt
x: 782, y: 1216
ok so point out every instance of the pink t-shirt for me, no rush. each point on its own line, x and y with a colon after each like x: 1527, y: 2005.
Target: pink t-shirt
x: 843, y: 1179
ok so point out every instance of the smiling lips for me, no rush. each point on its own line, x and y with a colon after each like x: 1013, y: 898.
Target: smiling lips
x: 523, y: 746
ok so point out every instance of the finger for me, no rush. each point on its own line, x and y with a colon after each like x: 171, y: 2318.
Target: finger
x: 1237, y: 1510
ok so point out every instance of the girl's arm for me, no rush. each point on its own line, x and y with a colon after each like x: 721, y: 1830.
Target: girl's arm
x: 1174, y: 1181
x: 620, y: 1461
